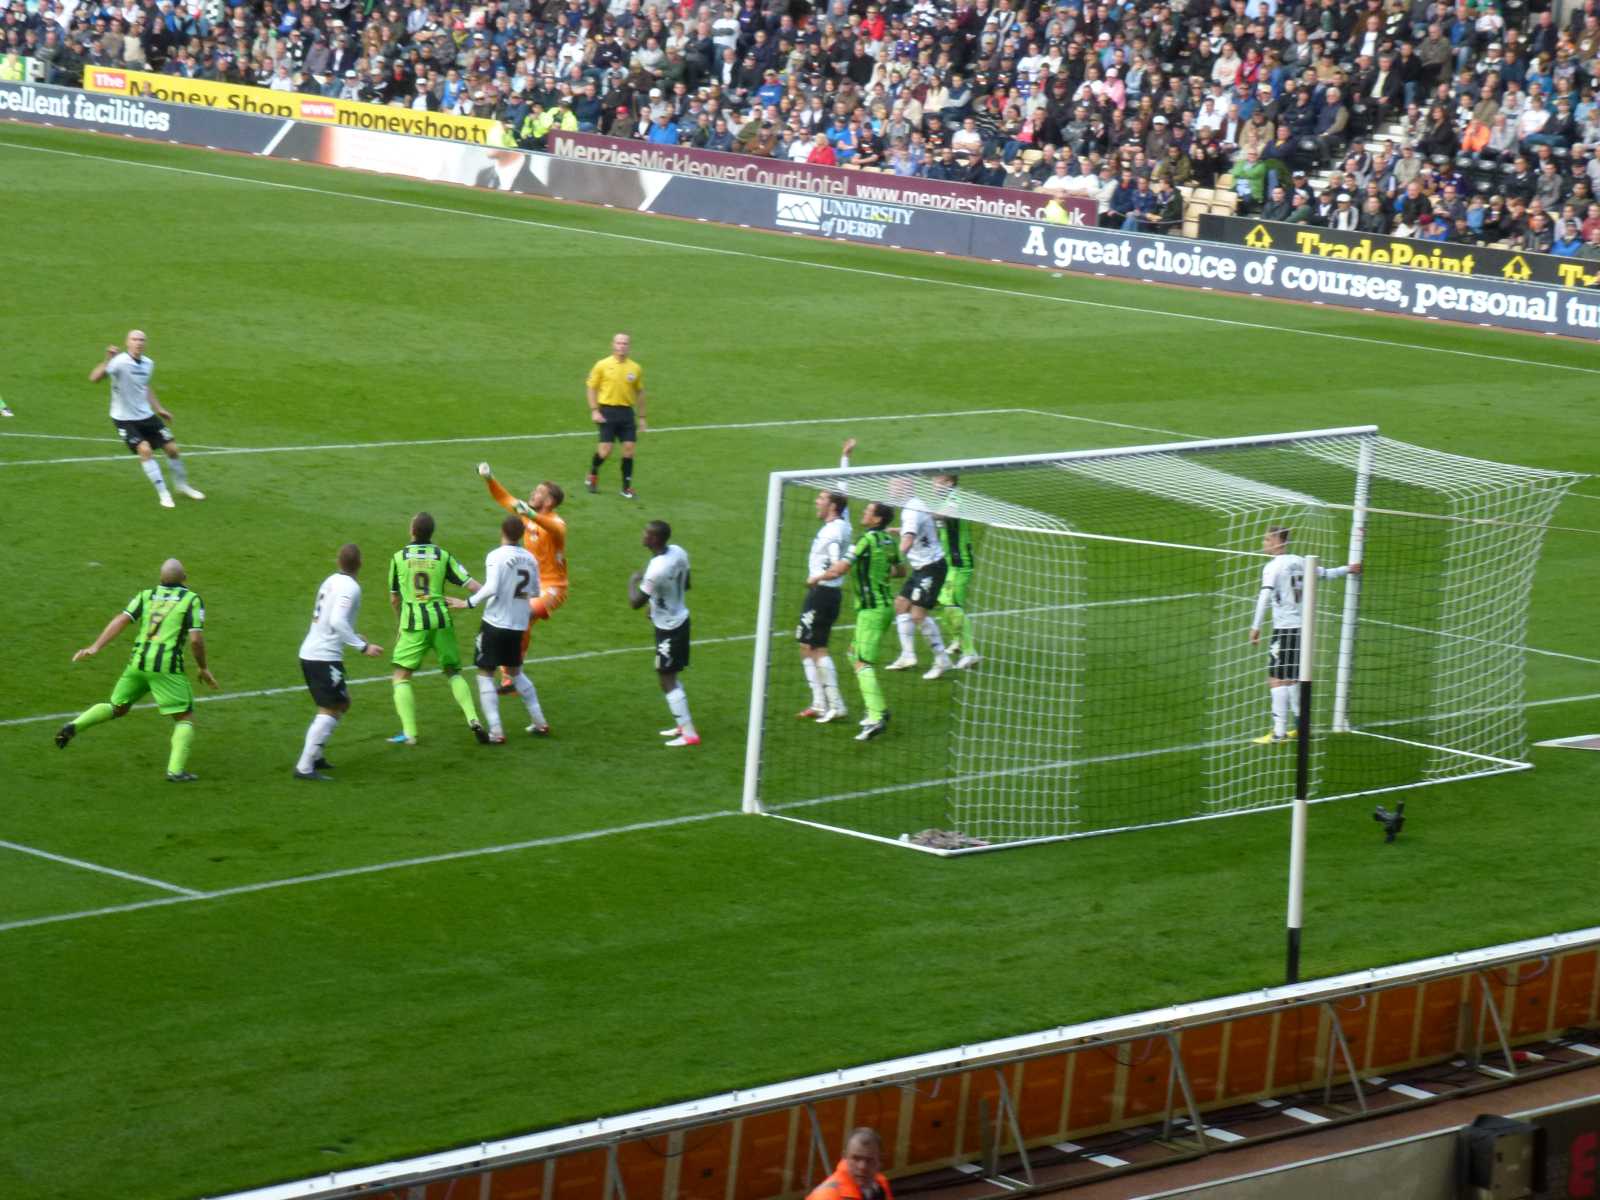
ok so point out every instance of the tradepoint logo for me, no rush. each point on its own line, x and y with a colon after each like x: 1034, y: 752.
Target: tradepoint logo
x: 1258, y: 238
x: 1517, y: 269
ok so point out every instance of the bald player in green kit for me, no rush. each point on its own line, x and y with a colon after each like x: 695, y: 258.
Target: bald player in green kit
x: 166, y: 618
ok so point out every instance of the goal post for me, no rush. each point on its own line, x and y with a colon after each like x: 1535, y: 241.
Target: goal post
x: 1113, y: 684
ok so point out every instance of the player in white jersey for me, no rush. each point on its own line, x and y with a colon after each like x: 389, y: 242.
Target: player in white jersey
x: 333, y: 627
x: 1282, y: 586
x: 511, y: 577
x: 919, y: 543
x: 662, y: 585
x: 821, y: 609
x: 140, y: 420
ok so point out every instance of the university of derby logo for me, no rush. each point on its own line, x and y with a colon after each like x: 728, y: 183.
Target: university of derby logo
x: 800, y: 212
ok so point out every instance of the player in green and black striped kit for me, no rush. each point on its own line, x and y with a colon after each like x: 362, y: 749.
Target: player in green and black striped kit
x: 167, y: 618
x: 871, y: 562
x: 955, y: 535
x: 418, y: 574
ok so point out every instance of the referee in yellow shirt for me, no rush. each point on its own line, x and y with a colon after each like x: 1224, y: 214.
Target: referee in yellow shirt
x: 616, y: 398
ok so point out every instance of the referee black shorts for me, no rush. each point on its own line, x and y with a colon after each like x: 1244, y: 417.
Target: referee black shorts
x: 817, y: 617
x: 617, y: 423
x: 326, y: 683
x: 923, y: 585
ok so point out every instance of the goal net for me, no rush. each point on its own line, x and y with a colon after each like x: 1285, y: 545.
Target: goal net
x: 1108, y: 610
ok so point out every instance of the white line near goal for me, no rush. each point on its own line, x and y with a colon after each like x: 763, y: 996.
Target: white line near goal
x: 458, y: 855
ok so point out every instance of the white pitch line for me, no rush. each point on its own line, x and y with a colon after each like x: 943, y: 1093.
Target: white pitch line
x: 79, y: 437
x: 450, y: 856
x: 559, y: 839
x: 97, y: 867
x: 256, y: 693
x: 1409, y: 347
x: 539, y: 437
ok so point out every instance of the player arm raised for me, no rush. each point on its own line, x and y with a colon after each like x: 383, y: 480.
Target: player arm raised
x: 113, y: 627
x: 847, y: 451
x: 501, y: 497
x: 98, y: 372
x: 197, y: 647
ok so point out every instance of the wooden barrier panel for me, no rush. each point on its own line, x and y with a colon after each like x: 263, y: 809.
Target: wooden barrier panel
x: 705, y: 1162
x: 956, y: 1118
x: 1575, y: 991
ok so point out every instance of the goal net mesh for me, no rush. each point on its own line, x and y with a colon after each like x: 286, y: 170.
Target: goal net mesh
x: 1109, y: 609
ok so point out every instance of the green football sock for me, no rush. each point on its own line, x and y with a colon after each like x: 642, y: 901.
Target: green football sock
x: 182, y: 739
x: 954, y: 621
x: 462, y: 691
x: 406, y: 705
x: 871, y: 690
x: 93, y: 716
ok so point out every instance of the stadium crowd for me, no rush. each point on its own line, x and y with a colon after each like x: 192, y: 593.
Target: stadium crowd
x: 1490, y: 106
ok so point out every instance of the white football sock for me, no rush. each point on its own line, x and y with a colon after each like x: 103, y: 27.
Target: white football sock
x: 930, y: 630
x: 818, y: 700
x: 907, y: 629
x: 678, y: 702
x: 317, y: 735
x: 179, y: 473
x: 490, y: 699
x: 1294, y: 699
x: 152, y: 472
x: 1280, y: 711
x: 830, y: 683
x: 530, y: 697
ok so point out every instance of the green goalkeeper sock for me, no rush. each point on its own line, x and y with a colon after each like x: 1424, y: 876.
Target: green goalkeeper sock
x: 406, y: 705
x: 182, y: 740
x: 871, y: 690
x: 93, y: 716
x: 462, y: 691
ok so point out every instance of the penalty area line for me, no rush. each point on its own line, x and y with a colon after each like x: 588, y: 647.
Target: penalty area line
x: 669, y: 244
x: 489, y: 439
x: 191, y: 897
x: 81, y: 864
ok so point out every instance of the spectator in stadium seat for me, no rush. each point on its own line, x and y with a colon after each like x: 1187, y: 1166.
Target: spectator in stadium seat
x: 1278, y: 207
x: 1373, y: 219
x: 1250, y: 180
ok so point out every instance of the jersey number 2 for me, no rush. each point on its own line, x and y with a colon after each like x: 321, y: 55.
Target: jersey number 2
x: 523, y: 579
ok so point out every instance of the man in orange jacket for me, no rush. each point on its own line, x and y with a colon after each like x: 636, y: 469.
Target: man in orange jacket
x: 857, y: 1177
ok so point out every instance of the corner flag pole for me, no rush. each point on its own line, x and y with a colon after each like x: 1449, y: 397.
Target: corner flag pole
x: 1302, y: 770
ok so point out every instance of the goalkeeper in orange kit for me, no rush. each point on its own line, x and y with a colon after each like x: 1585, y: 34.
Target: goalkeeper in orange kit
x: 545, y: 536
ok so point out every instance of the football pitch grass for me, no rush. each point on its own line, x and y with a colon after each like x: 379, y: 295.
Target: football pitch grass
x: 251, y: 979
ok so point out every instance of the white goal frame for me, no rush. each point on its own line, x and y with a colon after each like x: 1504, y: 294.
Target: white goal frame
x: 1363, y: 438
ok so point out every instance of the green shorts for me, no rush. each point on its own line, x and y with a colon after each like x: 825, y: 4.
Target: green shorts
x: 411, y: 647
x: 871, y: 625
x: 954, y: 591
x: 172, y: 692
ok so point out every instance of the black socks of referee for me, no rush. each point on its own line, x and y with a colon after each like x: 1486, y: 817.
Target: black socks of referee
x: 627, y: 471
x: 594, y: 464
